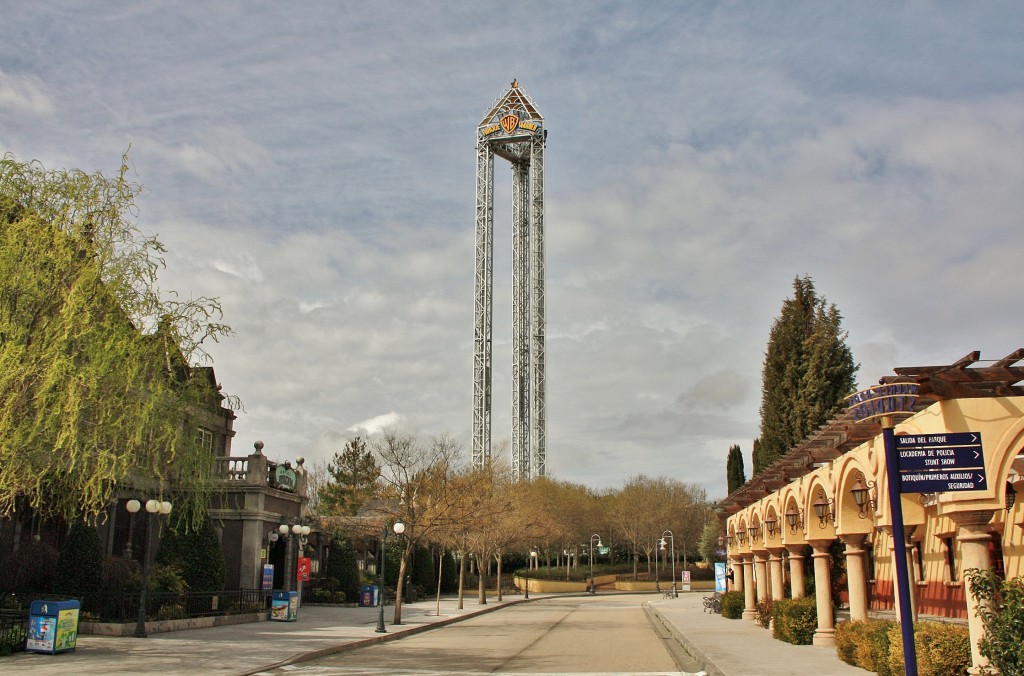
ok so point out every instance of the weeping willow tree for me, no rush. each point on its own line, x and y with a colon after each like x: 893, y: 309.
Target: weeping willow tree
x: 96, y: 380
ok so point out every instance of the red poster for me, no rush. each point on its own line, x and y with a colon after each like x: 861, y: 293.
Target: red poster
x: 302, y: 570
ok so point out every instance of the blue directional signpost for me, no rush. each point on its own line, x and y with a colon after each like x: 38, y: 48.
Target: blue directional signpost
x: 934, y: 463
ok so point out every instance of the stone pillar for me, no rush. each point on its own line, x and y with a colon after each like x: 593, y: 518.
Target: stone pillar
x: 911, y: 570
x: 749, y: 603
x: 775, y: 573
x: 856, y: 575
x: 796, y: 571
x: 736, y: 566
x: 825, y: 633
x: 761, y: 573
x: 973, y: 535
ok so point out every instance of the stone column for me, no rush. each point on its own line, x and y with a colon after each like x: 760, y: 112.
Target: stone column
x: 796, y: 571
x: 911, y: 570
x: 736, y: 566
x: 749, y: 603
x: 856, y: 575
x: 825, y: 633
x: 761, y: 573
x: 973, y: 535
x: 775, y: 572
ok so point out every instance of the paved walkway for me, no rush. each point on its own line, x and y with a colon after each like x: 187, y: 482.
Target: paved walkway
x: 724, y: 647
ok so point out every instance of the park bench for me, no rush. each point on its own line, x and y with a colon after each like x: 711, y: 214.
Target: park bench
x: 713, y: 603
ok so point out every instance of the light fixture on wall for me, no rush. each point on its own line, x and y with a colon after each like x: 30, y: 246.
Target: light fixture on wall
x: 823, y: 508
x: 754, y: 531
x: 793, y: 519
x: 770, y: 522
x: 861, y: 492
x: 741, y: 535
x: 1011, y: 496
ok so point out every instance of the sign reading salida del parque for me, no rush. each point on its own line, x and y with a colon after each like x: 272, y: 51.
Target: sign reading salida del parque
x: 933, y: 463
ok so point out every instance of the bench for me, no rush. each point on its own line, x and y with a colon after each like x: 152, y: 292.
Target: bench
x: 713, y: 603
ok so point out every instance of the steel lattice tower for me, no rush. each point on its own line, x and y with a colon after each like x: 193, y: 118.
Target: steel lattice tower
x: 513, y: 130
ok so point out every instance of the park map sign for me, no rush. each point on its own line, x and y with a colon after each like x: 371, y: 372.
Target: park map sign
x: 933, y: 463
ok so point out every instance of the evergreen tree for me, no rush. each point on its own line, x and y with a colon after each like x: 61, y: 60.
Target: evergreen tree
x: 354, y: 474
x: 735, y: 474
x: 80, y: 562
x: 342, y: 565
x: 808, y: 370
x: 195, y: 553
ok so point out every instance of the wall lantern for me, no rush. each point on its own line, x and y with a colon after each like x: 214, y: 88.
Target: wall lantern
x: 753, y: 531
x: 741, y: 535
x: 793, y: 519
x: 770, y: 522
x: 1011, y: 496
x: 823, y: 508
x: 861, y: 492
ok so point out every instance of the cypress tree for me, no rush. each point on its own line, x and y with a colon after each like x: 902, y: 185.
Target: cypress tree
x: 808, y: 370
x: 80, y: 563
x: 735, y: 474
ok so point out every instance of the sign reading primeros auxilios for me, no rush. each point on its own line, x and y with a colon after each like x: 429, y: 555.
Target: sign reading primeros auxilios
x: 933, y: 463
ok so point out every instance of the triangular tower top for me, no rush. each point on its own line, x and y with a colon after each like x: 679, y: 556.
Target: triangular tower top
x: 514, y: 101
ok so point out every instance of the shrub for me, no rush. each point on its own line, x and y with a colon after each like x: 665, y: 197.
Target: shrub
x: 1001, y: 608
x: 795, y: 620
x: 865, y: 644
x: 732, y: 605
x: 31, y: 568
x: 13, y: 639
x: 941, y: 649
x: 764, y: 612
x: 171, y: 611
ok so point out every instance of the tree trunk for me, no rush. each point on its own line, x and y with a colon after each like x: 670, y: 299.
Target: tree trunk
x: 400, y: 584
x: 497, y: 557
x: 462, y: 577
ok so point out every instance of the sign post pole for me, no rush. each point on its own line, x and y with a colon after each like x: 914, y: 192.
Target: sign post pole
x: 899, y: 536
x: 883, y: 402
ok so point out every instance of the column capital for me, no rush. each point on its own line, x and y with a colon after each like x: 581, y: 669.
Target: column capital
x: 820, y: 546
x: 854, y: 542
x: 796, y: 551
x: 976, y: 520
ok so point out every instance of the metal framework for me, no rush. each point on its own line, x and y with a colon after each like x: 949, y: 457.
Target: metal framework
x: 513, y: 130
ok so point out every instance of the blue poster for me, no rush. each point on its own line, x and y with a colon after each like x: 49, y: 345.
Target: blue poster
x: 268, y: 576
x: 720, y: 577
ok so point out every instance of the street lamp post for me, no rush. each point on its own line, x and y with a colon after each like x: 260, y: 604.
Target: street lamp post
x: 399, y: 528
x: 152, y: 507
x: 672, y: 553
x: 593, y: 590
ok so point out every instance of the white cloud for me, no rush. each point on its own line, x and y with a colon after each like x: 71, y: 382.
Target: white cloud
x: 24, y: 95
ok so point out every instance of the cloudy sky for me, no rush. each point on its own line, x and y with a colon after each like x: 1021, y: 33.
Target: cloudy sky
x: 313, y: 164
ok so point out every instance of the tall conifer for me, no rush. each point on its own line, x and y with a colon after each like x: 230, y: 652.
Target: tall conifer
x: 808, y: 370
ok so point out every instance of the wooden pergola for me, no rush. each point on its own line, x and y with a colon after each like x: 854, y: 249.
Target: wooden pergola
x: 965, y: 378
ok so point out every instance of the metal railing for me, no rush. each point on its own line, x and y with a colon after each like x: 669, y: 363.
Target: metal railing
x: 123, y: 607
x: 13, y: 630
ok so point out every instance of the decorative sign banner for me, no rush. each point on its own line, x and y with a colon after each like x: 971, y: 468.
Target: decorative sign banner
x: 934, y: 463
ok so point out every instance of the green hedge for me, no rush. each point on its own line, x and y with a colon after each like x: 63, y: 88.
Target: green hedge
x: 941, y: 649
x: 732, y: 605
x: 795, y: 620
x: 877, y: 645
x: 865, y: 644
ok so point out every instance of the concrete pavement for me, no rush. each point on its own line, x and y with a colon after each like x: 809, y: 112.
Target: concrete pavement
x: 726, y: 647
x: 741, y: 647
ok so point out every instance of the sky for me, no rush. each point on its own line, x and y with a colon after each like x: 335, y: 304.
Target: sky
x: 312, y: 165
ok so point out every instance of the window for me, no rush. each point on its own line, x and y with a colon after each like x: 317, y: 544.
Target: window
x: 205, y: 438
x: 919, y: 559
x: 995, y: 552
x: 951, y: 558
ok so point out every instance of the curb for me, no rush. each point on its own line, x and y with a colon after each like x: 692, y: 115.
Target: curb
x: 696, y: 653
x: 383, y: 638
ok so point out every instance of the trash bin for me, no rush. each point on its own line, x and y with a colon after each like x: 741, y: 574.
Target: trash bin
x: 369, y: 595
x: 284, y: 605
x: 52, y: 627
